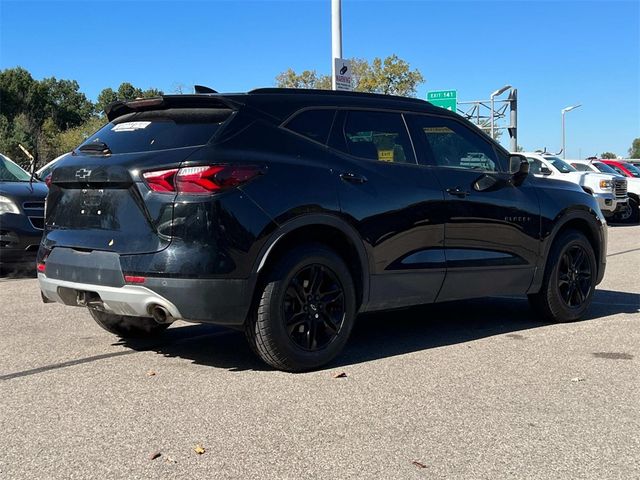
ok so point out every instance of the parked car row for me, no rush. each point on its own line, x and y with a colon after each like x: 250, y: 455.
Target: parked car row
x: 22, y: 201
x: 614, y: 184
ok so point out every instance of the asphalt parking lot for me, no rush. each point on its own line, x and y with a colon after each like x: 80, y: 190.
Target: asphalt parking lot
x: 476, y: 389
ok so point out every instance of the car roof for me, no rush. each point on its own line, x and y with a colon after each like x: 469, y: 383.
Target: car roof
x: 279, y: 102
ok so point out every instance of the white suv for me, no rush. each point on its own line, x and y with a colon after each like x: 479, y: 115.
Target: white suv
x: 610, y: 190
x: 632, y: 212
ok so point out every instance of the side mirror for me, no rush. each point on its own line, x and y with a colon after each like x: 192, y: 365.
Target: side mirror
x: 545, y: 171
x: 519, y: 168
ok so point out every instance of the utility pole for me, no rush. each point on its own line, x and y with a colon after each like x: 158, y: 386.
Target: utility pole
x: 493, y: 95
x: 513, y: 128
x: 336, y: 37
x: 565, y: 110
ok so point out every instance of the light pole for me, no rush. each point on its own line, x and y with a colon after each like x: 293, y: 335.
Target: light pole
x: 336, y: 37
x: 495, y: 94
x: 565, y: 110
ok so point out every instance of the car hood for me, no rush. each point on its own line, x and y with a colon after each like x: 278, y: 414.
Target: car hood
x: 24, y: 190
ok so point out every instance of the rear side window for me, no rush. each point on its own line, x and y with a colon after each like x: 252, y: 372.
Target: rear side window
x: 378, y: 136
x: 313, y: 124
x: 160, y: 130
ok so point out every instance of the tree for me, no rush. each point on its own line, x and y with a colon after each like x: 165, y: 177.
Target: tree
x: 65, y: 104
x: 307, y: 79
x: 391, y: 76
x: 634, y: 151
x: 609, y: 155
x: 70, y: 139
x: 126, y: 91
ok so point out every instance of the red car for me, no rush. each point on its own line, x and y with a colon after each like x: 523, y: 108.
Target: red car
x: 623, y: 167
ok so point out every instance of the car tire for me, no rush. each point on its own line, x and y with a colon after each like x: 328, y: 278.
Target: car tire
x: 126, y: 326
x: 305, y: 310
x: 569, y: 279
x: 632, y: 215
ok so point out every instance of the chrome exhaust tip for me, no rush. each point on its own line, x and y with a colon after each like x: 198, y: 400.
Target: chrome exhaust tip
x: 161, y: 314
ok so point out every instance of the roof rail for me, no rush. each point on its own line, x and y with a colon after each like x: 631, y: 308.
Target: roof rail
x: 312, y: 91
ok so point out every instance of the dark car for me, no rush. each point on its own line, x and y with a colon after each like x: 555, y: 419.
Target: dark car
x: 21, y: 215
x: 287, y: 212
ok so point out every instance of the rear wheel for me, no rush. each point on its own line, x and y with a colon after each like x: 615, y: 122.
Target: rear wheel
x: 569, y: 279
x: 305, y: 312
x: 126, y: 326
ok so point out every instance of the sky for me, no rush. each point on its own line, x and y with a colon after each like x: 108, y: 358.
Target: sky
x: 556, y: 53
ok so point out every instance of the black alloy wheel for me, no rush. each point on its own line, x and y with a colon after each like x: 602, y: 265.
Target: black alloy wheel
x: 314, y: 307
x: 574, y: 276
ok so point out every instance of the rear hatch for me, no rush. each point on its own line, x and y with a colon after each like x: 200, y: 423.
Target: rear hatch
x: 98, y: 199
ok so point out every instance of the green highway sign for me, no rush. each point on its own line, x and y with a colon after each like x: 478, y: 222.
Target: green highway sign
x: 444, y: 98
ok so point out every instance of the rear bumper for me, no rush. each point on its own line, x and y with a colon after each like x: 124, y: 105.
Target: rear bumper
x: 218, y: 301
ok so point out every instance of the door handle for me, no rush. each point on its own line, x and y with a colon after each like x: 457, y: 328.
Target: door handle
x: 353, y: 177
x: 457, y: 192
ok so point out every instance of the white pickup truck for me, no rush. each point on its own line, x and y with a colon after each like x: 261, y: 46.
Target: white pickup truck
x: 610, y: 190
x: 630, y: 214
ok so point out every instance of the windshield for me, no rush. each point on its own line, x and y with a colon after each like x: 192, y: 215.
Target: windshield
x: 635, y: 171
x: 603, y: 167
x: 560, y: 165
x: 10, y: 172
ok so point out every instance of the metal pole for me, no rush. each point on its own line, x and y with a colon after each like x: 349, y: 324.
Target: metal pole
x: 491, y: 119
x: 514, y: 119
x: 336, y: 37
x: 564, y: 153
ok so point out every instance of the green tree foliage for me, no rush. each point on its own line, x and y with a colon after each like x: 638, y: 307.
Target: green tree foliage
x: 634, y: 151
x: 609, y: 155
x: 126, y: 91
x: 51, y: 116
x: 391, y: 76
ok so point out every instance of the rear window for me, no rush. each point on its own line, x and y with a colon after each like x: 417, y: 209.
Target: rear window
x: 160, y: 130
x: 313, y: 124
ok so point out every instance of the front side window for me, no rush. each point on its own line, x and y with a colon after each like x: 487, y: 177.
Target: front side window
x: 604, y: 168
x: 581, y: 167
x: 453, y: 145
x: 535, y: 166
x: 313, y: 124
x: 378, y: 136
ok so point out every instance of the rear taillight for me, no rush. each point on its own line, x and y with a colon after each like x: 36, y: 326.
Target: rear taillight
x: 47, y: 180
x: 41, y: 267
x: 200, y: 180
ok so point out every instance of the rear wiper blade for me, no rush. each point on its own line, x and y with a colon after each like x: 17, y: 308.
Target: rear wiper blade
x: 96, y: 148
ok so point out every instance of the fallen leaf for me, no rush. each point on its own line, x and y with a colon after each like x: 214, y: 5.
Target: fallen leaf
x: 419, y: 464
x: 578, y: 379
x: 199, y: 449
x: 151, y: 373
x: 154, y: 455
x: 340, y: 375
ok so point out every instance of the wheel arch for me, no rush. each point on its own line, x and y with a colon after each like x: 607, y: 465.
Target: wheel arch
x: 329, y: 230
x: 586, y: 222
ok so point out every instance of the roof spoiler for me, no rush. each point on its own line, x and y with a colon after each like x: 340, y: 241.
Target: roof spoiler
x: 119, y: 108
x: 203, y: 89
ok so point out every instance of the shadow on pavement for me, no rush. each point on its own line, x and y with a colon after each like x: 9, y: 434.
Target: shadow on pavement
x: 381, y: 335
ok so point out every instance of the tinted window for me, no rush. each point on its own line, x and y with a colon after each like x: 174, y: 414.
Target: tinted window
x: 160, y: 130
x: 619, y: 170
x: 378, y: 136
x: 453, y: 145
x: 581, y: 167
x: 635, y: 171
x: 561, y: 165
x: 10, y: 172
x: 535, y: 166
x: 313, y: 124
x: 603, y: 167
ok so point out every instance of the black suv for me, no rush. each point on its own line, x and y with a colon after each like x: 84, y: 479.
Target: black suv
x: 288, y: 212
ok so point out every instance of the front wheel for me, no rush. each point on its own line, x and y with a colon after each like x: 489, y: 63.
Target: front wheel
x: 569, y: 279
x: 305, y: 311
x: 631, y: 212
x: 126, y: 326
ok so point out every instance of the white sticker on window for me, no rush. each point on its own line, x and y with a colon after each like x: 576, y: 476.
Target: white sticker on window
x: 130, y: 126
